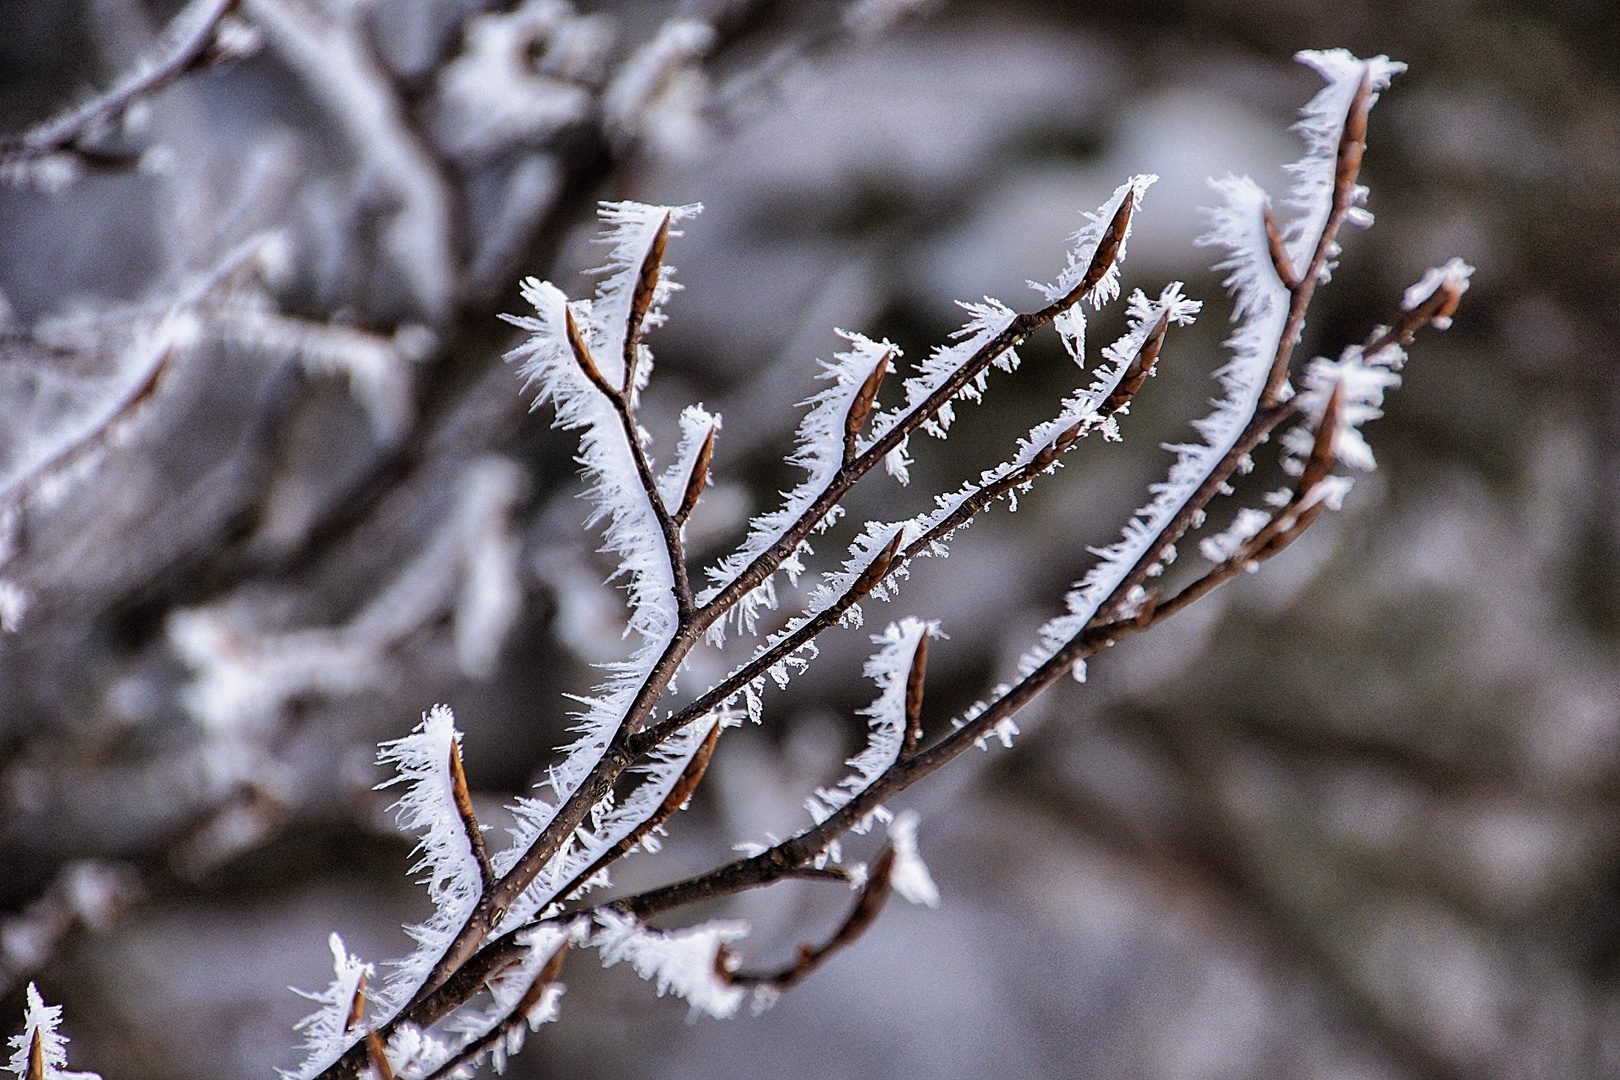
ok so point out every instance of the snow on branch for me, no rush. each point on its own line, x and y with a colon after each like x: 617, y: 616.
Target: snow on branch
x: 424, y: 760
x: 335, y: 1026
x: 1262, y: 307
x: 681, y: 962
x: 888, y: 718
x: 40, y: 1051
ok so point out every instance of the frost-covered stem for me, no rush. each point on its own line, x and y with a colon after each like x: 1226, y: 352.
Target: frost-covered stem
x: 868, y: 905
x: 469, y: 819
x: 1352, y: 142
x: 519, y: 1015
x: 1021, y: 326
x: 192, y: 31
x: 677, y: 798
x: 620, y: 400
x: 1285, y: 527
x: 887, y: 562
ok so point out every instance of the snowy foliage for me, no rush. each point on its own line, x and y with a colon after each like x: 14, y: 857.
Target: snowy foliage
x: 41, y: 1019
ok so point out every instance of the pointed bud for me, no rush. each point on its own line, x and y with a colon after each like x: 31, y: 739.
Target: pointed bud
x: 378, y: 1053
x: 1141, y: 366
x: 641, y: 300
x: 698, y: 478
x: 469, y: 819
x: 1327, y: 432
x: 875, y: 569
x: 1107, y: 250
x: 914, y: 697
x: 36, y: 1058
x: 861, y: 407
x: 1279, y: 254
x: 357, y: 1007
x: 582, y: 352
x: 1353, y: 141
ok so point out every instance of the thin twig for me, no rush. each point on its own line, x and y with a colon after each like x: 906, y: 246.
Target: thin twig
x: 861, y: 916
x: 187, y: 52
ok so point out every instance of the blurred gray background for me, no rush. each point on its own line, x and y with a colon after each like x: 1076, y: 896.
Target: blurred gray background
x: 1354, y: 817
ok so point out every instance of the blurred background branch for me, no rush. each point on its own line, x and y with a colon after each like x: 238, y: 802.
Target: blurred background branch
x: 269, y: 492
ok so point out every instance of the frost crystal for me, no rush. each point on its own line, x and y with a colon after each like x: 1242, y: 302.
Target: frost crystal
x: 326, y: 1030
x: 888, y: 719
x: 428, y: 806
x: 43, y: 1019
x: 909, y: 876
x: 681, y: 962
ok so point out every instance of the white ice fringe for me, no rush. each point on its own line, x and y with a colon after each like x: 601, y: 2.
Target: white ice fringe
x: 888, y: 668
x: 44, y: 1019
x: 1082, y: 245
x: 1261, y: 307
x: 819, y: 451
x: 607, y: 824
x: 508, y: 989
x: 615, y: 492
x: 696, y: 423
x: 1321, y: 123
x: 678, y: 961
x: 633, y: 226
x: 428, y: 806
x: 326, y: 1033
x: 909, y: 876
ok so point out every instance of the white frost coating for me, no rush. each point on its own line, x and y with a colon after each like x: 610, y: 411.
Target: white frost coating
x: 44, y: 1019
x: 888, y: 668
x: 1321, y: 123
x: 1222, y: 546
x: 909, y: 876
x: 1454, y: 276
x: 696, y: 423
x: 819, y: 451
x: 508, y: 989
x: 615, y: 493
x: 632, y: 226
x: 326, y: 1031
x: 1080, y: 408
x: 986, y: 320
x: 1082, y: 245
x: 607, y: 824
x: 1261, y: 307
x: 679, y: 961
x: 428, y: 805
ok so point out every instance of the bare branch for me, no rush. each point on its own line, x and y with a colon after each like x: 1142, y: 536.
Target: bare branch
x: 190, y: 34
x: 861, y: 916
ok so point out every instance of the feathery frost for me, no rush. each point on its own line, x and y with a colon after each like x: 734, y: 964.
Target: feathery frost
x: 507, y: 990
x: 1082, y: 245
x: 615, y: 491
x: 429, y: 806
x: 1261, y: 308
x: 819, y: 451
x: 43, y: 1018
x: 1321, y: 123
x: 326, y: 1030
x: 888, y: 668
x: 677, y: 961
x: 909, y: 876
x: 819, y: 447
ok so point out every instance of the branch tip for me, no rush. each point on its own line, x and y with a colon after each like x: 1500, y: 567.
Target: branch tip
x: 861, y: 406
x: 1279, y: 254
x: 641, y: 301
x: 696, y: 481
x: 469, y: 818
x: 914, y: 697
